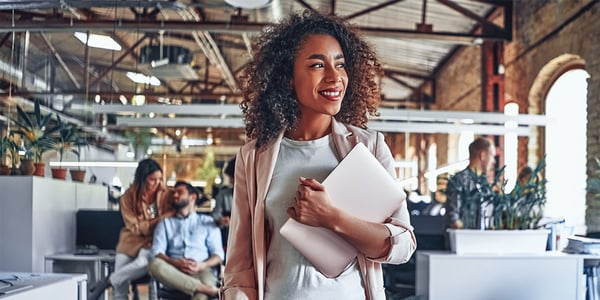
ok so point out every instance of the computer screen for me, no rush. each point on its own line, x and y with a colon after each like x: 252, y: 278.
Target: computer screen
x: 98, y: 227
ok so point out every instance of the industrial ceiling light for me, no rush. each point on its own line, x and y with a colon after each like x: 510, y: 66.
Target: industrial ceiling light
x: 250, y: 4
x: 143, y: 79
x: 98, y: 41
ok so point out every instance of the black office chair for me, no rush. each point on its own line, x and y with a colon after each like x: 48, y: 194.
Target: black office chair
x: 146, y: 279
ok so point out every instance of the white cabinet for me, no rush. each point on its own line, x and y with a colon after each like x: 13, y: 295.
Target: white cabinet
x: 37, y: 218
x: 549, y: 276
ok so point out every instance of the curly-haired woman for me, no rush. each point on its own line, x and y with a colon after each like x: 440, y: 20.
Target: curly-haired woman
x: 308, y: 92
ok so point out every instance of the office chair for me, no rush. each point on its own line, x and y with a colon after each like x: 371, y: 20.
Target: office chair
x: 146, y: 279
x: 164, y: 293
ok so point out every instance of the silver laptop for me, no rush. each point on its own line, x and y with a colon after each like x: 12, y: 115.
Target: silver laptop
x: 360, y: 185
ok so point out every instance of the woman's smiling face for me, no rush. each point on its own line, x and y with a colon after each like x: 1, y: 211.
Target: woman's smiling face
x: 319, y: 77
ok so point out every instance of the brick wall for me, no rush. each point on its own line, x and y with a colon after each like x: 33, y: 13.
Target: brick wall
x: 548, y: 36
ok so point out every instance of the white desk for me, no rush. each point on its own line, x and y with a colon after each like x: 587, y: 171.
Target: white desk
x: 549, y: 276
x: 43, y: 286
x: 96, y: 266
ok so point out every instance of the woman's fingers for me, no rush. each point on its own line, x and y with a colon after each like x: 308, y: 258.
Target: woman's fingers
x: 312, y: 183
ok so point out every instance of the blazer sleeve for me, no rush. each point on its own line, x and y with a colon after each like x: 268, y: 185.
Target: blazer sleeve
x: 239, y: 276
x: 402, y: 238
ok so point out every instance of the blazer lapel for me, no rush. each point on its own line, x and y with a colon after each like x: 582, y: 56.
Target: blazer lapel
x: 343, y: 140
x: 266, y: 157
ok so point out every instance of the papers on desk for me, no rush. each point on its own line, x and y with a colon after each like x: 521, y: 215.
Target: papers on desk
x: 583, y: 245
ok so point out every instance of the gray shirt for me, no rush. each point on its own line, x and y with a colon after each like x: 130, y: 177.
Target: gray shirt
x: 290, y: 275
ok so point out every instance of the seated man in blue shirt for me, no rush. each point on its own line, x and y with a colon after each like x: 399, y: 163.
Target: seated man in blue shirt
x: 186, y: 247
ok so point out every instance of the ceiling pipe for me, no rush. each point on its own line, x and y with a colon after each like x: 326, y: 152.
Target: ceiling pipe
x: 210, y: 49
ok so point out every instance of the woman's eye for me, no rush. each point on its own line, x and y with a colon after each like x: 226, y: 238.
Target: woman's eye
x: 317, y: 65
x: 341, y: 65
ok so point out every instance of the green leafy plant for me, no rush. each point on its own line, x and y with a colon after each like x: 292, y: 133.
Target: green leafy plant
x: 10, y: 149
x: 520, y: 208
x: 36, y: 129
x: 66, y: 138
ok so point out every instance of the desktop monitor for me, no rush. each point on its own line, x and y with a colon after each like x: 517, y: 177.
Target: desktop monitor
x: 98, y: 227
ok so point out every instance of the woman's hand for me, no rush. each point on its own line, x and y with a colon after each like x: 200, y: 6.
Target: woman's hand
x: 312, y: 205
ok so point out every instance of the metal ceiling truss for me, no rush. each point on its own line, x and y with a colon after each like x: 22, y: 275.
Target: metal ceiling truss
x: 77, y: 15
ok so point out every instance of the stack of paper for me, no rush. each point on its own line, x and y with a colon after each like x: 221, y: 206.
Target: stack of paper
x: 583, y: 245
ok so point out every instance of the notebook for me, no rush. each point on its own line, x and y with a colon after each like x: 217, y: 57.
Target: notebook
x: 360, y: 185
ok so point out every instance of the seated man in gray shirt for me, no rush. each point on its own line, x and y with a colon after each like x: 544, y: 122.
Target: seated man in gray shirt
x: 186, y: 247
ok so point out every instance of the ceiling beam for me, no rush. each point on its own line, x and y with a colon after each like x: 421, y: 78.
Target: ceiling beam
x: 387, y: 114
x: 118, y: 60
x: 220, y: 27
x: 383, y: 126
x: 371, y: 9
x: 114, y: 94
x: 60, y: 60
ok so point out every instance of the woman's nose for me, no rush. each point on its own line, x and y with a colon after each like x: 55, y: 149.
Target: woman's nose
x: 333, y: 75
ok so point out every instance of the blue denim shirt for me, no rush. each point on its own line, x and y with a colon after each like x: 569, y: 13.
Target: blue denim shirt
x: 196, y: 237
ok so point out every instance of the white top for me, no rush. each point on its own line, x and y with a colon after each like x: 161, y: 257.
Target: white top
x: 289, y: 275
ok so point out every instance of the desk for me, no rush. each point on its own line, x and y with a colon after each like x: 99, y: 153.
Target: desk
x: 41, y: 285
x: 550, y: 276
x: 96, y: 266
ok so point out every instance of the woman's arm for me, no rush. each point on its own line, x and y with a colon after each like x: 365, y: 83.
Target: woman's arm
x: 314, y: 207
x: 391, y: 241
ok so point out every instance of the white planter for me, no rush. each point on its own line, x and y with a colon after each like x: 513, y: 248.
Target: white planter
x: 470, y: 241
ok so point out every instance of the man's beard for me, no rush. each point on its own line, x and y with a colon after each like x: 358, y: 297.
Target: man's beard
x: 181, y: 204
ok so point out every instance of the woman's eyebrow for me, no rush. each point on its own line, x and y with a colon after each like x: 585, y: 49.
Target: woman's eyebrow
x: 322, y: 57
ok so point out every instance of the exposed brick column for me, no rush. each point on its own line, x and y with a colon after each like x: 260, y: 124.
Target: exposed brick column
x: 492, y: 86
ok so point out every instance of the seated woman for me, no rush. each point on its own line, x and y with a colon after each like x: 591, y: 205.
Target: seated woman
x: 143, y: 205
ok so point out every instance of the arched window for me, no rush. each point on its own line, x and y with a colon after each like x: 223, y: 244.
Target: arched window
x: 566, y: 140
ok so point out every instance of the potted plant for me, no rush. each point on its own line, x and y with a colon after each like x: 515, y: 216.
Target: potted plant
x: 515, y: 215
x: 79, y: 141
x: 62, y: 142
x: 36, y: 129
x: 6, y: 147
x: 10, y: 151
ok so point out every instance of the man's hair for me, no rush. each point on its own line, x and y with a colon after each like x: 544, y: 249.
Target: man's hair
x: 190, y: 188
x: 478, y: 145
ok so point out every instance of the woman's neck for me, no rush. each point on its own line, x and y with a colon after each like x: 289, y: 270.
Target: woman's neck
x: 308, y: 130
x: 148, y: 196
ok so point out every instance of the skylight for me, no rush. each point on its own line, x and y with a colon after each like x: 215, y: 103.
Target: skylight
x: 98, y: 41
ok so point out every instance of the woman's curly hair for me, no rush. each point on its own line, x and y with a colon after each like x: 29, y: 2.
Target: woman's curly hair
x: 270, y: 103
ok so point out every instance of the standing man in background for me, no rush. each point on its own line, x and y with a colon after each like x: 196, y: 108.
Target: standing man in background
x: 482, y: 152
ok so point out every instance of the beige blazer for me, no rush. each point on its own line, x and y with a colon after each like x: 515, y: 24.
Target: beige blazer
x: 244, y: 275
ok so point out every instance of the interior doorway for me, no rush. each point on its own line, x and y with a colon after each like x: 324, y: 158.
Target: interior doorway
x: 566, y: 140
